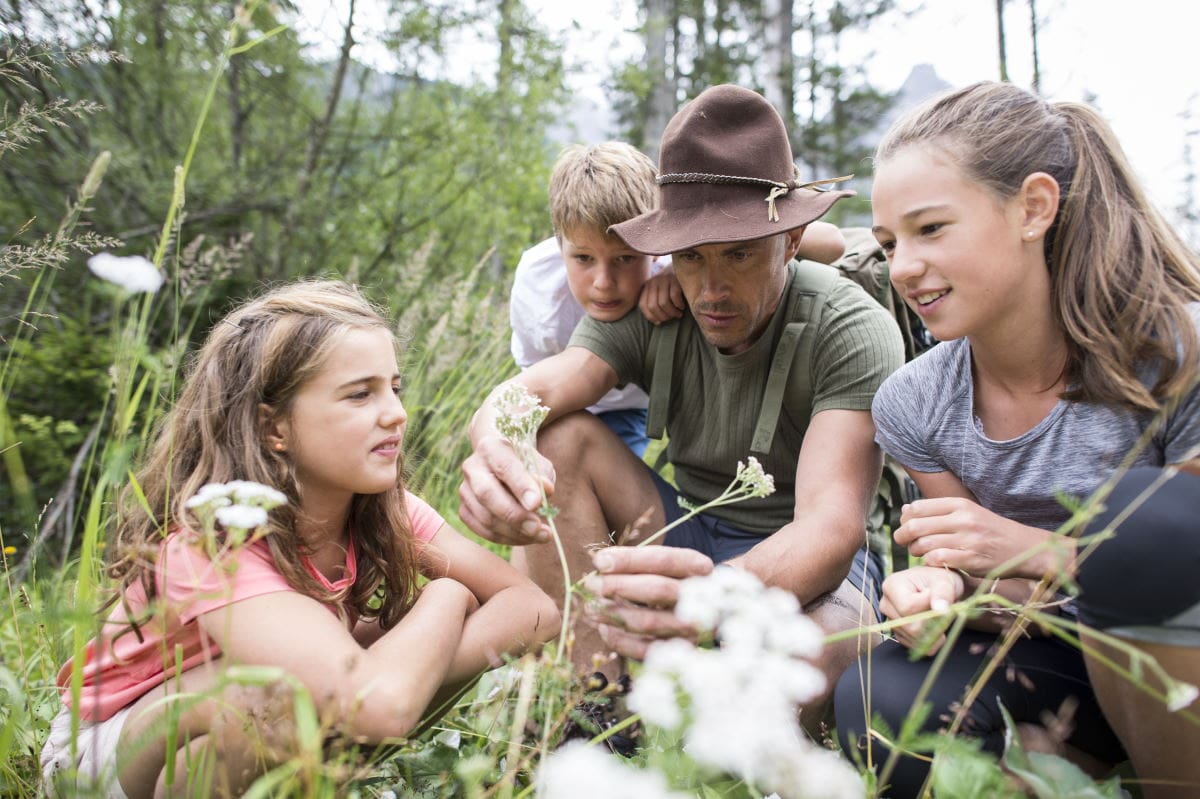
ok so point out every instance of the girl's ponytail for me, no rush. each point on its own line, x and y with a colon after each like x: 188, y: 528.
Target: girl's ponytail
x: 1121, y: 276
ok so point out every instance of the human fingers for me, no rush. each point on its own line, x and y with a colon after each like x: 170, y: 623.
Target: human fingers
x: 624, y: 643
x: 925, y: 545
x: 661, y: 560
x: 914, y: 632
x: 649, y: 308
x: 652, y: 590
x: 491, y: 510
x: 945, y: 592
x: 499, y: 458
x: 646, y: 621
x: 911, y: 591
x: 676, y: 296
x: 935, y: 519
x: 933, y: 506
x: 653, y: 301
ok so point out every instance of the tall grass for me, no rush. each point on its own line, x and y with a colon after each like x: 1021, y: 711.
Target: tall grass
x: 456, y: 331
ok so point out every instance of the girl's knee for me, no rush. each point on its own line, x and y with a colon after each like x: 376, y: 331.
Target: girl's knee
x: 1145, y: 572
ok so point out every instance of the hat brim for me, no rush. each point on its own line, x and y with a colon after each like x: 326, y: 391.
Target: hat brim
x: 715, y: 215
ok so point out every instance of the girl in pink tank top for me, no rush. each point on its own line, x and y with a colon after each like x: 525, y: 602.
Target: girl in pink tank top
x: 316, y: 576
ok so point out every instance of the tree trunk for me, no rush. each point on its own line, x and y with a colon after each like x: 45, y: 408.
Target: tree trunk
x: 1000, y: 33
x: 698, y: 80
x: 504, y: 67
x: 814, y: 80
x: 780, y: 84
x: 316, y: 143
x: 1033, y: 34
x: 237, y: 112
x: 660, y: 104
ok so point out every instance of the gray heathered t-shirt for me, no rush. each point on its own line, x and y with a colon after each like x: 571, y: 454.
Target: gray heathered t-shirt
x: 924, y: 419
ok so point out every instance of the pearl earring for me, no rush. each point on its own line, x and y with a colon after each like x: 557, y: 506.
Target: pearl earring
x: 1029, y: 234
x: 279, y: 446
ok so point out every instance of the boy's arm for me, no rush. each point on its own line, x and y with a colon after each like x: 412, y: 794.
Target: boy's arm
x: 822, y: 242
x: 662, y: 297
x: 530, y: 342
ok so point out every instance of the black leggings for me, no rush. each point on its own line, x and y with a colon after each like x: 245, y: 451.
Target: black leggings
x: 1148, y: 574
x: 1146, y: 577
x: 1038, y: 674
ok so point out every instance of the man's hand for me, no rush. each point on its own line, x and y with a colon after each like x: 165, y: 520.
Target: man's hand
x: 916, y: 590
x: 958, y: 533
x: 662, y: 297
x: 635, y: 595
x: 499, y: 498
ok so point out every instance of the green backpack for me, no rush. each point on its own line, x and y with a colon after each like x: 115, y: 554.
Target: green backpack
x: 863, y: 263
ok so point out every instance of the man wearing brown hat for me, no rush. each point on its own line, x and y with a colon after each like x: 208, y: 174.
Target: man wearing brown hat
x: 775, y: 358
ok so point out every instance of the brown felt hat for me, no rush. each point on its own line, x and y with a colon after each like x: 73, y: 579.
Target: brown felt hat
x: 725, y: 174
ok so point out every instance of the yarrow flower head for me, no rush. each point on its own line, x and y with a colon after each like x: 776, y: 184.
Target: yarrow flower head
x: 239, y: 506
x: 579, y: 771
x: 210, y: 495
x: 744, y: 613
x: 751, y: 476
x: 241, y: 517
x: 519, y: 415
x: 256, y: 495
x: 737, y: 705
x: 133, y: 273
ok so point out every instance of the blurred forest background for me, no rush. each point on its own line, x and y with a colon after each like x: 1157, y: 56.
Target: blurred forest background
x: 422, y: 188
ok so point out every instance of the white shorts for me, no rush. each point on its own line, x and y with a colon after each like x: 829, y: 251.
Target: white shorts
x: 94, y: 765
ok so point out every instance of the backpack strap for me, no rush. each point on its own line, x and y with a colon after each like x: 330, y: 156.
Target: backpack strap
x: 662, y: 349
x: 807, y: 294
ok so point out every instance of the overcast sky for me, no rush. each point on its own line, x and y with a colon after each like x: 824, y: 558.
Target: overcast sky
x: 1142, y: 66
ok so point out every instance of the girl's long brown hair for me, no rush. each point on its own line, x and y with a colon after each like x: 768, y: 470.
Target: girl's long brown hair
x: 1121, y: 276
x: 262, y: 353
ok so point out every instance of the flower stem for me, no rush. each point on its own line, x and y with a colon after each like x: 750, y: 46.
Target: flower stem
x: 731, y: 496
x: 567, y: 590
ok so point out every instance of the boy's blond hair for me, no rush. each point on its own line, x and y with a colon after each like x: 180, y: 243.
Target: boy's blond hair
x: 594, y: 186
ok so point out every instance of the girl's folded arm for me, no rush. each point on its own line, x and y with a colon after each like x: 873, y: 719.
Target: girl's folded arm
x: 514, y: 616
x: 371, y: 693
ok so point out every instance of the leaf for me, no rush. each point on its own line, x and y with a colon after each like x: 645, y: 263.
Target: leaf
x: 961, y: 770
x: 1050, y: 776
x: 308, y: 729
x: 255, y: 675
x: 266, y: 785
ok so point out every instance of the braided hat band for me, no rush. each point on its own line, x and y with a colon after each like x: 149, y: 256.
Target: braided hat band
x: 778, y: 189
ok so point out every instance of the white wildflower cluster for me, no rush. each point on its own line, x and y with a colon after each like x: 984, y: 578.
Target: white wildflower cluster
x: 579, y: 771
x: 737, y: 705
x: 133, y: 273
x: 751, y: 476
x: 239, y: 506
x: 519, y: 414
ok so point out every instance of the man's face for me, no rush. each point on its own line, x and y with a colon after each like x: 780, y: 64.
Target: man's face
x: 734, y: 288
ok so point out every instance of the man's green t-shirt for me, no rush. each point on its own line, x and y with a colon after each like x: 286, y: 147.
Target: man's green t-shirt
x: 715, y: 398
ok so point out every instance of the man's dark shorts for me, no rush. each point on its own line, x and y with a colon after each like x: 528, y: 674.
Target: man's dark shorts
x: 722, y: 541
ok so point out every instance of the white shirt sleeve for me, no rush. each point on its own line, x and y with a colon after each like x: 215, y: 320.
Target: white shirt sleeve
x: 542, y: 311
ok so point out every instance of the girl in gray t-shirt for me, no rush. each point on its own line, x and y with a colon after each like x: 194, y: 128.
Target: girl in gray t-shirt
x: 1069, y: 310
